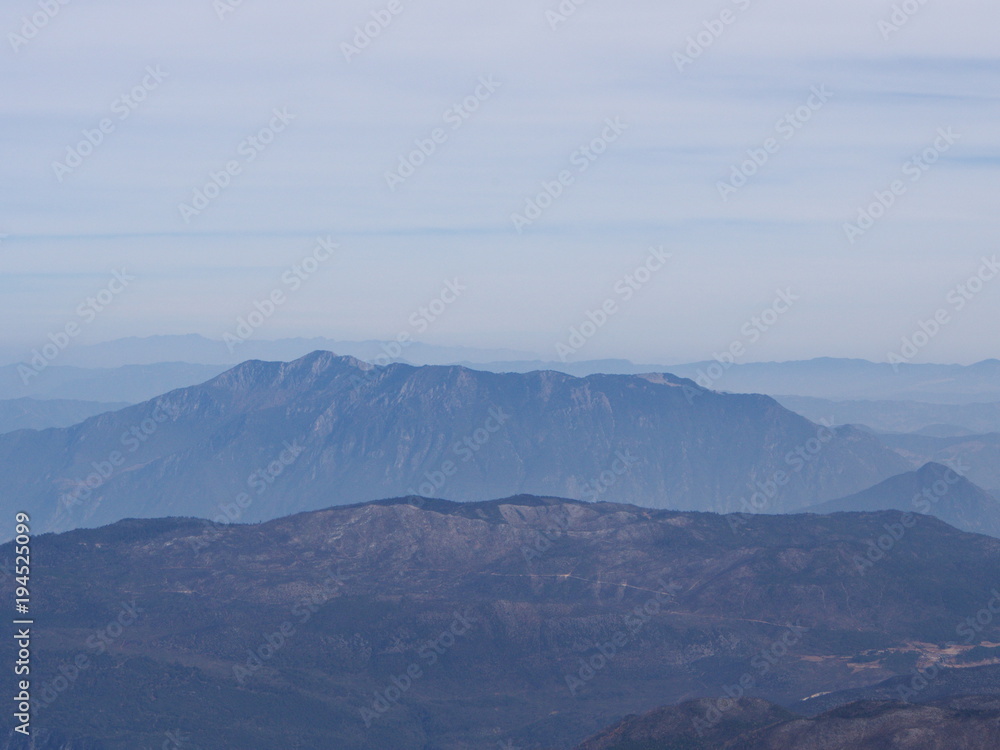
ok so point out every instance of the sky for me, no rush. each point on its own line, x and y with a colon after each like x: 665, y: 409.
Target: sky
x: 662, y: 182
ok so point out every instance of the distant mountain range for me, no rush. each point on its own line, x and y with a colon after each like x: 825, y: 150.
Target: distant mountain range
x: 531, y: 622
x: 197, y: 349
x: 34, y: 414
x: 935, y: 490
x: 944, y: 420
x: 823, y: 378
x: 131, y: 384
x: 858, y: 379
x: 267, y: 439
x: 977, y: 455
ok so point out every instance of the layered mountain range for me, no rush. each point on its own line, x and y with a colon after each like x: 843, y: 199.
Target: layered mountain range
x: 266, y: 439
x: 934, y: 489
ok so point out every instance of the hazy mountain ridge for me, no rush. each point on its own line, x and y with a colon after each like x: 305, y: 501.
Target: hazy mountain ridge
x: 935, y: 490
x: 977, y: 455
x: 897, y: 416
x: 131, y: 383
x: 824, y: 378
x: 197, y: 349
x: 35, y: 414
x: 286, y: 433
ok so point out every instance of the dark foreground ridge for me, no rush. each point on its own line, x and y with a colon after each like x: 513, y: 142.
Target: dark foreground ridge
x: 967, y: 723
x: 409, y: 624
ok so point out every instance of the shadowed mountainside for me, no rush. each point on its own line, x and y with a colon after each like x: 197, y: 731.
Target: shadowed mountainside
x: 267, y: 439
x: 299, y: 632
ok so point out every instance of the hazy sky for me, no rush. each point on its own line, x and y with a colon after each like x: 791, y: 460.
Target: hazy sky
x: 861, y: 106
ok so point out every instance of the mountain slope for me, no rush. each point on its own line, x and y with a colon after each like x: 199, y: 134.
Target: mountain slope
x: 978, y: 455
x: 267, y: 439
x: 934, y: 489
x: 285, y: 634
x: 971, y: 723
x: 684, y: 727
x: 132, y: 383
x: 35, y: 414
x: 964, y: 723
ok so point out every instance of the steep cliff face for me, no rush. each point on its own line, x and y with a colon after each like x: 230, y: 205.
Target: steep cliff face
x: 411, y: 624
x: 268, y: 439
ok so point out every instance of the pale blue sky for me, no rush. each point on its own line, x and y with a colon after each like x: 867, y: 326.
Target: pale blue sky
x: 657, y: 184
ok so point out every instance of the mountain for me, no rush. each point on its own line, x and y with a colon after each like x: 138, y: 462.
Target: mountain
x: 976, y: 673
x: 965, y: 723
x: 34, y: 414
x: 414, y: 623
x: 131, y: 384
x: 899, y: 416
x: 821, y: 379
x: 268, y: 439
x: 934, y: 489
x: 971, y: 723
x: 684, y: 727
x: 977, y: 455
